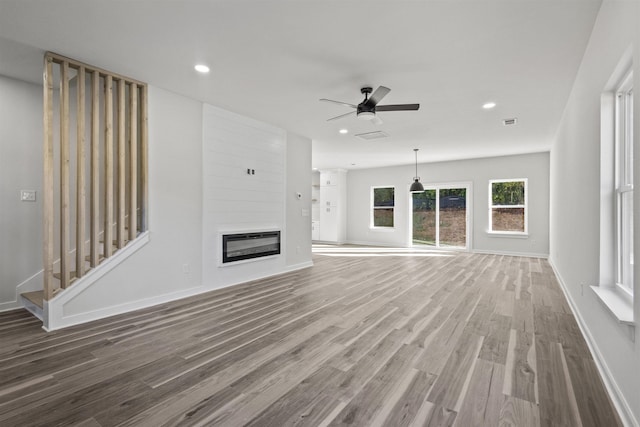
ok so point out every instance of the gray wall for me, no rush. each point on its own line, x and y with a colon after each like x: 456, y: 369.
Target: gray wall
x: 20, y: 169
x: 478, y: 172
x: 575, y: 214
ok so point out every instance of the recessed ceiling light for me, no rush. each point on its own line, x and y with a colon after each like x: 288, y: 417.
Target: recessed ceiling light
x: 343, y: 131
x: 488, y: 105
x: 201, y: 68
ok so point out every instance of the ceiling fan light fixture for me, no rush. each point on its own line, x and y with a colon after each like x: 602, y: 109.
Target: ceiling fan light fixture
x: 366, y: 115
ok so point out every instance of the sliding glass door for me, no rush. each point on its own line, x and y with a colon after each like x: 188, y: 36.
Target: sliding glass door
x: 440, y: 217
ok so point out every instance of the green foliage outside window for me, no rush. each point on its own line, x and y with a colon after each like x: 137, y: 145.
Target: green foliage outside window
x: 507, y: 193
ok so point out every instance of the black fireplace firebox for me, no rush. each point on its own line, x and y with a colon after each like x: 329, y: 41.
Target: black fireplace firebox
x: 243, y: 246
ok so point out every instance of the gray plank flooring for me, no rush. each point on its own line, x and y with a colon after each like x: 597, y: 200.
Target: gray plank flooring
x: 366, y: 337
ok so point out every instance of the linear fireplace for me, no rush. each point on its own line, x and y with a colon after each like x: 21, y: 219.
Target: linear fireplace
x: 244, y: 246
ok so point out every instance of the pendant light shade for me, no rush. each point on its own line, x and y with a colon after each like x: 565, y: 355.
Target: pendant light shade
x: 416, y: 187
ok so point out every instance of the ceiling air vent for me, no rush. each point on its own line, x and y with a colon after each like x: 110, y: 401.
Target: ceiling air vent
x: 372, y: 135
x: 509, y: 122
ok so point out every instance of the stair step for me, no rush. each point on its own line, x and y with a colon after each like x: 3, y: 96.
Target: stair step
x: 100, y: 258
x: 71, y: 280
x: 36, y: 297
x: 34, y: 302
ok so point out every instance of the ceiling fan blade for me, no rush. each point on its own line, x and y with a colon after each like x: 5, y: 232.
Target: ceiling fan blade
x: 341, y: 116
x: 376, y: 120
x: 377, y: 96
x: 398, y: 107
x: 346, y: 104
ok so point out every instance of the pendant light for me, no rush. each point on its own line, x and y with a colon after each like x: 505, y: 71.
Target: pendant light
x: 416, y: 187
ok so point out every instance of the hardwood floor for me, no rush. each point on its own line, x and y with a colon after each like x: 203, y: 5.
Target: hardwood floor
x: 367, y: 337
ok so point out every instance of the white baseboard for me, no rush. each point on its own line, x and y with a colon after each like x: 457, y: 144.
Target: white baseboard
x: 479, y: 251
x: 363, y: 243
x: 10, y: 305
x: 624, y: 410
x: 300, y: 266
x: 508, y: 253
x: 33, y: 283
x: 55, y: 318
x: 54, y: 309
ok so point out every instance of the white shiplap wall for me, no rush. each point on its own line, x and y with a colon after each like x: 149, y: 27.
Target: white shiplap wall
x: 234, y: 201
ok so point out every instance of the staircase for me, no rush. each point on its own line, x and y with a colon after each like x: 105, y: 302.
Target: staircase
x: 95, y: 172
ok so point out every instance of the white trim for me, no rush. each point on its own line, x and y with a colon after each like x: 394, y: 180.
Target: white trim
x: 33, y: 283
x: 10, y: 305
x: 624, y: 410
x: 507, y: 253
x: 382, y: 229
x: 296, y: 267
x: 468, y: 186
x: 372, y: 209
x: 57, y: 319
x: 105, y: 266
x: 381, y: 244
x: 619, y: 305
x: 508, y: 234
x: 525, y: 206
x: 448, y: 249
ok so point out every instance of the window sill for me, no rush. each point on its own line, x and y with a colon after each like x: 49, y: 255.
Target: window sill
x: 618, y: 304
x: 383, y: 229
x: 510, y: 235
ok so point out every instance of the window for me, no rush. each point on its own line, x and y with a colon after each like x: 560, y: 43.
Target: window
x: 383, y: 201
x: 624, y: 183
x: 508, y: 206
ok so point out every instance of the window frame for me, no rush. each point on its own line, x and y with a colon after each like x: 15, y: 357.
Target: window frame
x: 623, y: 182
x: 374, y: 208
x: 524, y: 206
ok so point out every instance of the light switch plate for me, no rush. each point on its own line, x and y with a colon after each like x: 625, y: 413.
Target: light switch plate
x: 28, y: 195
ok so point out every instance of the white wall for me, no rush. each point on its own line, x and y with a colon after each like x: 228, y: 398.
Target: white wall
x: 298, y: 215
x: 198, y: 186
x: 175, y: 218
x: 575, y: 201
x: 535, y: 167
x: 20, y: 169
x: 235, y: 201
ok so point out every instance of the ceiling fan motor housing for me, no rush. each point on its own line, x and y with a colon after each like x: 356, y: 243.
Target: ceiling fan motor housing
x: 366, y: 110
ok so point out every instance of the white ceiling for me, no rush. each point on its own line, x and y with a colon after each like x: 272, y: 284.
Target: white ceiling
x: 273, y: 59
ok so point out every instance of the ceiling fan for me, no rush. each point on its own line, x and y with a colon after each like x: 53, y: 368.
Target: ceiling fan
x: 367, y: 109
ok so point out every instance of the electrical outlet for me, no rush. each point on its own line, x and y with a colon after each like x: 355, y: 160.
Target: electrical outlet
x: 185, y: 268
x: 28, y: 195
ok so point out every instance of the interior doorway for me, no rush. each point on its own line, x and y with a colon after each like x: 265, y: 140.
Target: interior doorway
x: 440, y: 216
